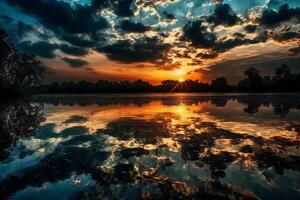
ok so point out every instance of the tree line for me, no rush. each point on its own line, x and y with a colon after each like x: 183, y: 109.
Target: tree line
x: 283, y: 80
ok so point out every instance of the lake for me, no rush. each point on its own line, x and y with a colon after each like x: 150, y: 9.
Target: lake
x: 151, y: 146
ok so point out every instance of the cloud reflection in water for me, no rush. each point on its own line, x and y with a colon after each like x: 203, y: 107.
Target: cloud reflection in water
x: 153, y: 147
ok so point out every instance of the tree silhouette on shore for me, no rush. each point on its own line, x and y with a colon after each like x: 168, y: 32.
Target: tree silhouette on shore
x: 19, y: 72
x: 282, y: 81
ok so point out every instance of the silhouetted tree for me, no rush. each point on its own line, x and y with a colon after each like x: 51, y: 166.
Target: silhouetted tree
x: 282, y: 72
x: 103, y: 86
x: 220, y: 85
x: 169, y: 85
x: 19, y: 72
x: 256, y: 81
x: 6, y: 46
x: 141, y: 86
x: 284, y: 80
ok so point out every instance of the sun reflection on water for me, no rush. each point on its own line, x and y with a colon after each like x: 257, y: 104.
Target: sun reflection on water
x: 190, y: 147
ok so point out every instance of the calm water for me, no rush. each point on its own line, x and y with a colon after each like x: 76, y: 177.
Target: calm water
x: 151, y: 147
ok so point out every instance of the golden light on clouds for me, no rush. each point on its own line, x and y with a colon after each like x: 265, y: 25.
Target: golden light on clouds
x: 100, y: 67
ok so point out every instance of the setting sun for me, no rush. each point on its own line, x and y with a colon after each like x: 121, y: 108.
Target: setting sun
x: 161, y: 99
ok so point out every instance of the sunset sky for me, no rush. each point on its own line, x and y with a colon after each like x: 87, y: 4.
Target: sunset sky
x: 155, y: 40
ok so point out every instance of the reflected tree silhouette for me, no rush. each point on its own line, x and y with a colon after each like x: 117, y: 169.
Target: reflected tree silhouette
x: 253, y: 107
x: 18, y: 119
x: 281, y: 104
x: 148, y: 173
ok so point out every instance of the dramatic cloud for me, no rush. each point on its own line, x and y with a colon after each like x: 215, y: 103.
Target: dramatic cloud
x: 124, y: 8
x: 43, y: 49
x: 72, y: 50
x: 230, y: 43
x: 295, y: 50
x: 286, y: 36
x: 250, y: 28
x: 6, y: 19
x: 162, y: 34
x: 99, y: 4
x: 23, y: 28
x: 169, y: 16
x: 78, y: 40
x: 198, y: 34
x: 271, y: 17
x: 61, y: 16
x: 209, y: 55
x: 128, y: 26
x: 147, y: 49
x: 223, y: 15
x: 75, y: 63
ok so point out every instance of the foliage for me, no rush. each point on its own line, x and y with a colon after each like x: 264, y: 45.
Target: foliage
x: 283, y: 81
x: 18, y: 119
x: 19, y: 72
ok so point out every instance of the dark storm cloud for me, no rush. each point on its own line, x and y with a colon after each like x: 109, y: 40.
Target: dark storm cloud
x: 23, y: 28
x: 223, y: 15
x: 72, y: 50
x: 75, y: 63
x: 184, y: 54
x: 46, y: 49
x: 274, y: 3
x: 200, y: 37
x: 124, y: 8
x: 295, y: 50
x: 198, y: 34
x: 239, y: 35
x: 286, y: 36
x: 230, y: 44
x: 261, y: 37
x: 129, y: 26
x: 143, y: 50
x: 43, y: 49
x: 99, y: 4
x: 209, y: 55
x: 61, y: 16
x: 272, y: 17
x: 168, y: 15
x: 78, y: 40
x: 239, y: 40
x: 6, y: 19
x: 250, y: 28
x: 78, y: 28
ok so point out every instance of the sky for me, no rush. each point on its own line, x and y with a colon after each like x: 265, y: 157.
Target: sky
x: 155, y: 40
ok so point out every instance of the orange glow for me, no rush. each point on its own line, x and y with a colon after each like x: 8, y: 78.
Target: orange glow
x: 179, y: 72
x: 100, y: 67
x: 181, y: 80
x: 177, y: 114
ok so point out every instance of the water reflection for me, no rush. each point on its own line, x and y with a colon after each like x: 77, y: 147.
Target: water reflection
x: 151, y: 147
x: 18, y: 119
